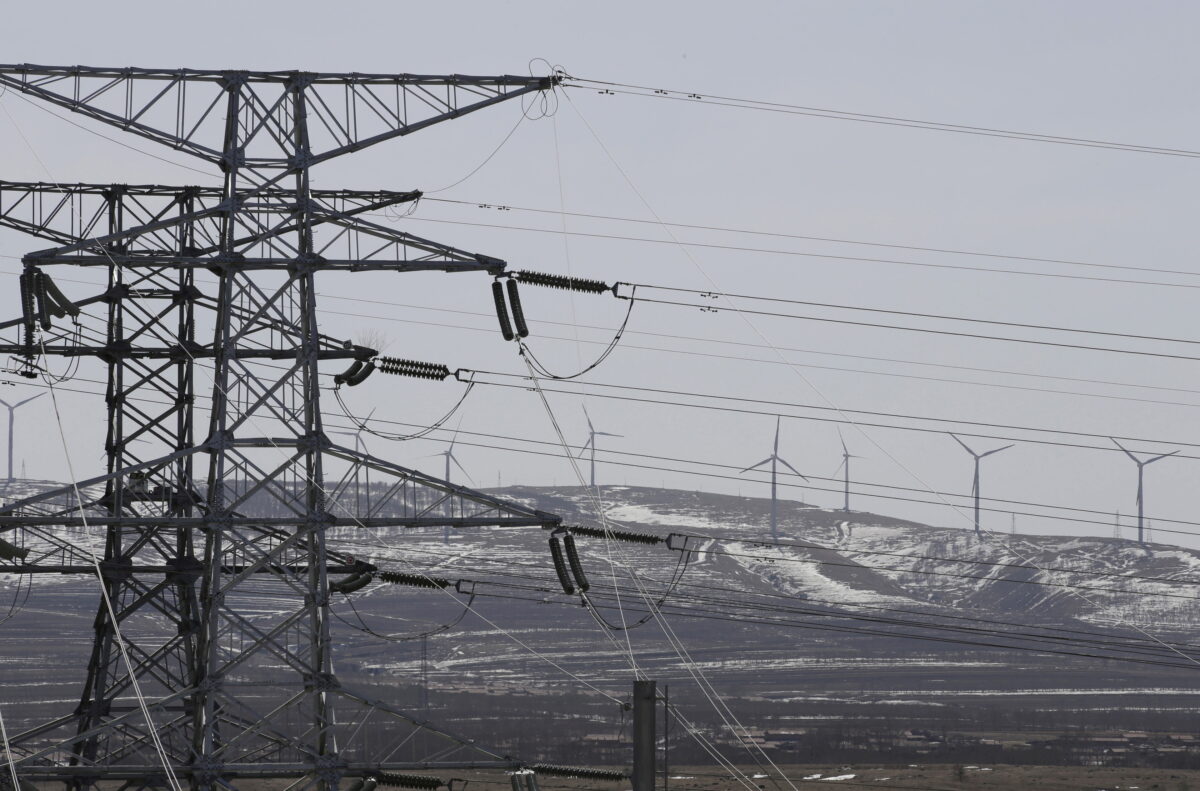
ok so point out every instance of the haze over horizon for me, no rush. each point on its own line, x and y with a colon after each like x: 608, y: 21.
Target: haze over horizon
x: 1110, y: 73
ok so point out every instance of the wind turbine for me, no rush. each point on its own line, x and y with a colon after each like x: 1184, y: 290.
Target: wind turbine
x: 12, y: 408
x: 1141, y: 493
x: 775, y: 461
x: 448, y: 453
x: 975, y: 482
x: 591, y: 443
x: 846, y: 457
x: 360, y: 445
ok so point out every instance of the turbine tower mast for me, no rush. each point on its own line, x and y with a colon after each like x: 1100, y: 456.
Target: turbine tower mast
x: 845, y: 467
x: 591, y: 444
x: 1141, y: 490
x: 448, y: 453
x: 975, y: 480
x: 201, y: 528
x: 775, y: 460
x: 12, y: 409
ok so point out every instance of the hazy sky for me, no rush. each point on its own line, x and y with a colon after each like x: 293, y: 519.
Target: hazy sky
x: 1110, y: 71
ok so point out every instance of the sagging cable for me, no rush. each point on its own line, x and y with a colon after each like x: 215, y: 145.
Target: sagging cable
x: 560, y: 566
x: 414, y: 368
x: 617, y: 535
x: 426, y: 431
x: 580, y: 772
x: 576, y: 566
x: 564, y: 282
x: 502, y: 311
x: 542, y: 370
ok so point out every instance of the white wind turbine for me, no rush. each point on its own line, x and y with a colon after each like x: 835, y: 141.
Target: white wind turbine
x: 360, y: 445
x: 591, y: 443
x: 448, y: 453
x: 845, y: 465
x: 775, y: 460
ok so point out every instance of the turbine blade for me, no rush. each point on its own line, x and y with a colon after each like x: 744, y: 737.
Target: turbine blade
x: 761, y: 463
x: 1163, y: 456
x: 790, y: 467
x: 463, y: 469
x: 589, y: 419
x: 997, y: 450
x: 27, y: 400
x: 1127, y: 453
x: 842, y: 440
x: 960, y: 442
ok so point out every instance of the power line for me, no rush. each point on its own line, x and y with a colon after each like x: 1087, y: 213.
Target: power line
x: 356, y: 423
x: 742, y: 358
x: 932, y: 331
x: 800, y: 254
x: 884, y: 120
x: 495, y: 206
x: 893, y: 312
x: 840, y: 410
x: 726, y: 606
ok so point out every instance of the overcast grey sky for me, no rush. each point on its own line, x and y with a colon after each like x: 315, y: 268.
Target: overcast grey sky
x: 1111, y: 71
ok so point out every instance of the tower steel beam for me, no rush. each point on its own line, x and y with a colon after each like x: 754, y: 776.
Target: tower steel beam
x: 201, y: 520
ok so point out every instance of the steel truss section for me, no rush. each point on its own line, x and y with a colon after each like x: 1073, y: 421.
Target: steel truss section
x: 203, y: 521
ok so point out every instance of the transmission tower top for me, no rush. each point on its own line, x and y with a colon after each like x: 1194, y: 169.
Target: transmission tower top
x: 203, y: 521
x: 285, y: 119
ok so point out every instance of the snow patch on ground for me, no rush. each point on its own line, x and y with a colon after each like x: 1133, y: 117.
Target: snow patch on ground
x: 647, y: 516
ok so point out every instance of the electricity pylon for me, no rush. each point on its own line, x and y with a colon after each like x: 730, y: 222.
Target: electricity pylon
x: 1141, y: 488
x: 206, y: 519
x: 12, y: 427
x: 845, y: 467
x: 775, y: 459
x: 591, y: 444
x: 975, y: 480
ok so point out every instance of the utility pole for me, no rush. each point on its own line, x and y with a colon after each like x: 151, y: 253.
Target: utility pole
x: 645, y: 698
x: 1141, y: 486
x: 975, y: 481
x: 12, y: 409
x: 211, y: 513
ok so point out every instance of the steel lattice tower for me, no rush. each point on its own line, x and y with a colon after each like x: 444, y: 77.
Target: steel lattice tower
x: 203, y: 516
